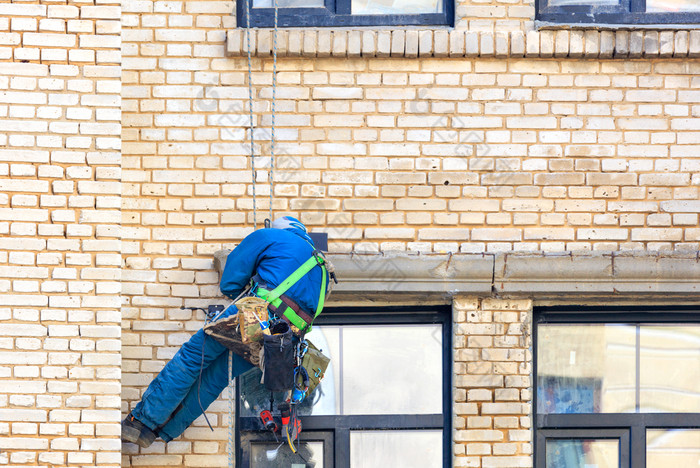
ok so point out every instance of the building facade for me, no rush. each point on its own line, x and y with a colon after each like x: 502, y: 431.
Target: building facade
x: 538, y: 181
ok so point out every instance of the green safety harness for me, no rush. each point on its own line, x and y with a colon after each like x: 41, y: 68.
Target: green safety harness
x: 284, y: 307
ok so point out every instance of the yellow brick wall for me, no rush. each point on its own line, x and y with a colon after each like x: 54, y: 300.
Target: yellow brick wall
x: 492, y: 386
x: 422, y: 155
x: 411, y: 154
x: 59, y: 233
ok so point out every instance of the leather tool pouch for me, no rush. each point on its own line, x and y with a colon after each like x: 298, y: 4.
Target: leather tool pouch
x: 227, y: 332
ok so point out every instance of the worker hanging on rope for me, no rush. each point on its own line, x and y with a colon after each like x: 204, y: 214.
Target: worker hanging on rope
x: 268, y: 264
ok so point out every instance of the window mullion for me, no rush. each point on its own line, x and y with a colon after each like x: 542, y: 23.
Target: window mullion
x: 343, y: 7
x: 638, y: 369
x: 341, y: 446
x: 638, y: 6
x: 638, y: 444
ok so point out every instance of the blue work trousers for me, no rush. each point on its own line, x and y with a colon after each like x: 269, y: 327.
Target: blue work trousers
x: 172, y: 401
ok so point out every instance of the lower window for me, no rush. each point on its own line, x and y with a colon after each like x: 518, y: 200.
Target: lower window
x: 617, y: 388
x: 385, y: 399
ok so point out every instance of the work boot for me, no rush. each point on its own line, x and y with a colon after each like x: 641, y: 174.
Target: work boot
x: 136, y: 432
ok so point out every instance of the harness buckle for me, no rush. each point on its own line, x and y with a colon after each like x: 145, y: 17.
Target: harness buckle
x: 318, y: 255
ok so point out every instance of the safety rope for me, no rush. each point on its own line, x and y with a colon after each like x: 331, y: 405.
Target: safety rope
x: 230, y: 411
x: 272, y: 127
x: 250, y: 109
x: 231, y: 429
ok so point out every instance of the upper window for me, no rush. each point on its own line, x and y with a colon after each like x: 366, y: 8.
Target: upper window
x: 635, y: 12
x: 618, y: 391
x: 316, y: 13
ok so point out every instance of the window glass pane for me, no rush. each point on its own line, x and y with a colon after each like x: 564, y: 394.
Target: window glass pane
x: 586, y: 368
x: 669, y: 369
x: 395, y: 7
x: 582, y: 453
x: 392, y: 369
x: 673, y: 448
x: 405, y: 449
x: 272, y: 455
x: 383, y: 369
x: 323, y: 401
x: 288, y: 3
x: 671, y: 6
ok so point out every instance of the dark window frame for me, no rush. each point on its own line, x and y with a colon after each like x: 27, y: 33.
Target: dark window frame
x: 631, y: 426
x: 336, y: 13
x: 250, y: 430
x: 627, y: 12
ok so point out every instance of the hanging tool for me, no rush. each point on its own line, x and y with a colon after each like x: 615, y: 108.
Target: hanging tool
x: 269, y: 422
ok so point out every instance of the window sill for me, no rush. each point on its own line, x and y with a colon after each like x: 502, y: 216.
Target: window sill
x: 447, y: 42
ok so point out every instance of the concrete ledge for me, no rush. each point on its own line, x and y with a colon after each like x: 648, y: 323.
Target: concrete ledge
x: 389, y: 277
x: 385, y: 277
x: 616, y: 273
x: 429, y: 274
x: 444, y: 42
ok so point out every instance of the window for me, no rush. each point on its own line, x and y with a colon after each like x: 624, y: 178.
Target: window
x: 617, y: 388
x: 385, y: 399
x: 344, y: 13
x: 619, y: 12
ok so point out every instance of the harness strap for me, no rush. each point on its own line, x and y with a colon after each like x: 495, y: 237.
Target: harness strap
x: 296, y: 315
x: 305, y: 267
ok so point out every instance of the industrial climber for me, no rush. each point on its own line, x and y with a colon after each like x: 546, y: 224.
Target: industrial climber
x: 266, y: 261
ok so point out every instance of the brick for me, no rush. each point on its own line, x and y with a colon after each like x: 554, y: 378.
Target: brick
x: 656, y: 234
x: 681, y: 206
x: 48, y: 40
x: 323, y: 93
x: 478, y: 435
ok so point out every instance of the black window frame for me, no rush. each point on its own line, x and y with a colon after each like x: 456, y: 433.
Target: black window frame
x: 250, y: 429
x: 632, y: 427
x: 627, y: 12
x: 337, y: 13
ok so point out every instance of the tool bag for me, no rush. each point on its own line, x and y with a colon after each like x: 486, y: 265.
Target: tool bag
x: 251, y: 312
x: 241, y: 333
x: 278, y: 358
x: 315, y: 363
x: 227, y: 332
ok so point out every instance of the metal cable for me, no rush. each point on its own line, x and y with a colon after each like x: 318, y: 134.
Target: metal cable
x: 231, y: 429
x: 250, y: 109
x: 199, y: 383
x: 274, y: 90
x: 230, y: 410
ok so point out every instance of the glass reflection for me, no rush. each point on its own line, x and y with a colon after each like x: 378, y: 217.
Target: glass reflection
x: 392, y: 370
x: 405, y: 449
x: 383, y: 369
x: 671, y: 6
x: 669, y: 369
x: 673, y: 447
x: 582, y: 453
x: 274, y: 455
x: 389, y: 7
x: 586, y: 368
x: 288, y: 3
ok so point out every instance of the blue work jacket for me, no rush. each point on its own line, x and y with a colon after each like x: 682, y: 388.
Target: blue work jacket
x: 273, y: 254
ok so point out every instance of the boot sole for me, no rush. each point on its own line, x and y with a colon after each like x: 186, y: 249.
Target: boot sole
x: 133, y: 435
